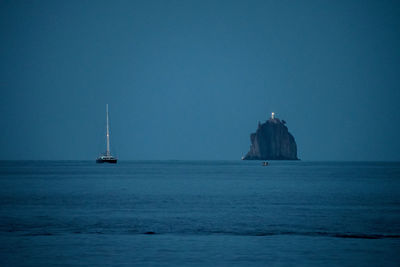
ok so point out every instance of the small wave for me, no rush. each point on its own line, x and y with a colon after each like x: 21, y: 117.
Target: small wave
x: 202, y: 232
x: 328, y: 234
x: 293, y: 233
x: 38, y: 234
x: 362, y: 236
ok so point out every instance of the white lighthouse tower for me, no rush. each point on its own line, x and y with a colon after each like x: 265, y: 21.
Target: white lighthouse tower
x: 272, y: 115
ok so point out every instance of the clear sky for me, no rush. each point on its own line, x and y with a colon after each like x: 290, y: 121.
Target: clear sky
x: 191, y: 79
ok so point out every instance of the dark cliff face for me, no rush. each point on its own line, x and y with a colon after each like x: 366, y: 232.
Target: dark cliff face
x: 272, y: 141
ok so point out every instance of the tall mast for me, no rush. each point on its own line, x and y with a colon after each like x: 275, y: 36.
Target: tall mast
x: 108, y: 134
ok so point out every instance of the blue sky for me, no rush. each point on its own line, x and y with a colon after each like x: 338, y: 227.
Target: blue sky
x: 191, y: 79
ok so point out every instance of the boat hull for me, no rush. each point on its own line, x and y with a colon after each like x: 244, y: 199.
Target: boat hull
x: 106, y: 160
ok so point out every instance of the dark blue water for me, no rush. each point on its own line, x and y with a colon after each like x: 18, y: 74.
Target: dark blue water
x: 199, y: 213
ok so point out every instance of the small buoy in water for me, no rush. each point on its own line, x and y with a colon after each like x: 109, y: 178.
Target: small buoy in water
x: 265, y: 163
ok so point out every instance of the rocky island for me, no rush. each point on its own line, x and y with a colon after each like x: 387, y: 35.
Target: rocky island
x: 272, y: 141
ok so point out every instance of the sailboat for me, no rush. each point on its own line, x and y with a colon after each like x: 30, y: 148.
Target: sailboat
x: 107, y: 156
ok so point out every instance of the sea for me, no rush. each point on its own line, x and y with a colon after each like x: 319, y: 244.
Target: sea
x: 199, y: 213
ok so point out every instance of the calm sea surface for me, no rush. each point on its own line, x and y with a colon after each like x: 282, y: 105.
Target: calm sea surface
x: 199, y: 213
